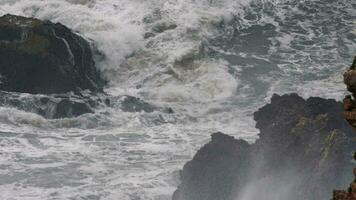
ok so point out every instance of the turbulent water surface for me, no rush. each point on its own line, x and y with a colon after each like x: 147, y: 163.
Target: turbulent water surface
x: 214, y: 62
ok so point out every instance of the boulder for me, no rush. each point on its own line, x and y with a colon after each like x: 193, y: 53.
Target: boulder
x: 215, y: 173
x: 41, y: 57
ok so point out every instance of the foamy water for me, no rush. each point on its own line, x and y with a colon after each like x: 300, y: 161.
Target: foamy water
x: 214, y: 62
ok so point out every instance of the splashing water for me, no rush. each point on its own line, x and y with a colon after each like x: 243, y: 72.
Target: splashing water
x: 214, y: 62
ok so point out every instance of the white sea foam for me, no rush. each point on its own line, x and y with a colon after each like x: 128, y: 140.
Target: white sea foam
x: 192, y: 62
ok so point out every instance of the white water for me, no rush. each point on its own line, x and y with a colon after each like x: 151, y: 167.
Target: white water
x: 199, y: 69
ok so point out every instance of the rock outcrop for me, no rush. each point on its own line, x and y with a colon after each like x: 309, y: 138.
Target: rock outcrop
x: 69, y: 105
x: 52, y: 106
x: 41, y: 57
x: 47, y: 69
x: 215, y: 171
x: 302, y: 153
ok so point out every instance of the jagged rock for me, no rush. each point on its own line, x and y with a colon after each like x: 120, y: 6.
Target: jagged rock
x: 302, y: 153
x: 211, y: 175
x: 41, y: 57
x: 305, y: 139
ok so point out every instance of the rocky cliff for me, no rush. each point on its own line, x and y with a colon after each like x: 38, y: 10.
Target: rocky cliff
x: 303, y: 153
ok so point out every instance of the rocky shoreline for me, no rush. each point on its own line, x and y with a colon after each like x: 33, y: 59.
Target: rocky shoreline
x: 303, y: 152
x: 49, y: 70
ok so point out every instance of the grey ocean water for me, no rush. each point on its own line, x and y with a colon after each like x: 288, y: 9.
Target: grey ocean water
x: 214, y: 62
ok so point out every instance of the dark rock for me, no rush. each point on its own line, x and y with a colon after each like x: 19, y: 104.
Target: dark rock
x: 159, y: 27
x: 73, y: 105
x: 211, y: 175
x: 303, y: 153
x: 52, y: 106
x: 40, y: 57
x: 43, y: 57
x: 68, y: 108
x: 148, y: 35
x: 314, y: 146
x: 134, y: 104
x: 163, y: 26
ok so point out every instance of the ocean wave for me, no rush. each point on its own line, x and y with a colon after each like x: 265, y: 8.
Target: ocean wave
x: 214, y: 62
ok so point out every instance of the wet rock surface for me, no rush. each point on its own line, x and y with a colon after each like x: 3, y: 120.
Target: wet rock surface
x: 41, y: 57
x: 69, y: 105
x: 50, y: 106
x: 134, y: 104
x: 214, y: 172
x: 47, y: 69
x: 303, y: 153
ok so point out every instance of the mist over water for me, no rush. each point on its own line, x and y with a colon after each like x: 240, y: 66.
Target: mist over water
x: 214, y: 62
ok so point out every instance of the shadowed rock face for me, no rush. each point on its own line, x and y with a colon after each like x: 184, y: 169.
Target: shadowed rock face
x: 43, y: 57
x: 303, y: 153
x: 212, y: 172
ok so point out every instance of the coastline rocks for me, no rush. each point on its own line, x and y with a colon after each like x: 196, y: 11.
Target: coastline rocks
x: 50, y: 106
x: 47, y: 69
x: 41, y: 57
x: 302, y: 153
x: 56, y: 106
x: 211, y: 175
x: 306, y: 141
